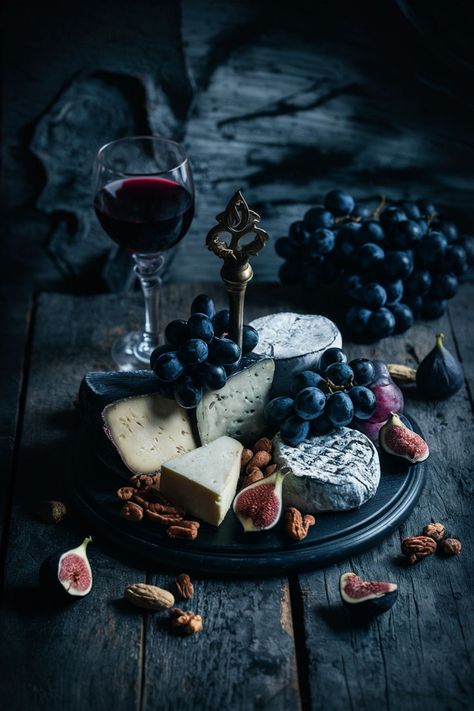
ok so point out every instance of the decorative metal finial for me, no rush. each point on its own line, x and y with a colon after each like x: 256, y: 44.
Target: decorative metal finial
x: 238, y: 220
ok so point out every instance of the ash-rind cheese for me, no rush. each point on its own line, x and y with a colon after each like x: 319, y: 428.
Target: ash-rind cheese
x: 333, y: 472
x: 236, y: 409
x: 296, y: 342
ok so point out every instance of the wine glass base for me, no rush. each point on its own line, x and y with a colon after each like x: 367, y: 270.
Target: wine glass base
x: 130, y: 352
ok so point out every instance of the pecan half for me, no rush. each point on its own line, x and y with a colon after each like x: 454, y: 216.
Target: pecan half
x: 186, y: 530
x: 140, y: 500
x: 184, y: 586
x: 417, y: 547
x: 139, y: 481
x: 167, y: 509
x: 186, y: 622
x: 125, y: 492
x: 163, y: 519
x: 296, y: 525
x: 131, y: 511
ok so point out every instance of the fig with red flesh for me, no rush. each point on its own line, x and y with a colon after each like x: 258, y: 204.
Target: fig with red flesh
x: 258, y: 507
x: 365, y: 597
x: 397, y: 439
x: 68, y: 575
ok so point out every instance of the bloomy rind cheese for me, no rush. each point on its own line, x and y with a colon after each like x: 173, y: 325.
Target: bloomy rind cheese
x: 296, y: 342
x: 333, y: 472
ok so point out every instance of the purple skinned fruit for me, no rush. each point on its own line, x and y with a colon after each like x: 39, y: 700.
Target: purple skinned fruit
x: 389, y: 399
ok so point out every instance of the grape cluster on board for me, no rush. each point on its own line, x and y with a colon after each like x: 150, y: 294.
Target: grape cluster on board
x: 398, y: 263
x: 337, y: 394
x: 198, y: 354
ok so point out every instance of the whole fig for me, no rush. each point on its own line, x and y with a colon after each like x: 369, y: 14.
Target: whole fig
x: 439, y: 374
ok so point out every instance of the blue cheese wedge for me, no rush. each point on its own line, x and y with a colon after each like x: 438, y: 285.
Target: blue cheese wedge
x: 204, y: 481
x: 148, y: 430
x: 296, y: 342
x: 236, y: 409
x: 332, y: 472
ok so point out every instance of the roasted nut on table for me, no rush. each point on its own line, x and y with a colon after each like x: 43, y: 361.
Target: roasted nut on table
x: 186, y: 622
x: 184, y: 586
x: 148, y: 597
x: 418, y: 547
x: 449, y: 547
x: 435, y: 531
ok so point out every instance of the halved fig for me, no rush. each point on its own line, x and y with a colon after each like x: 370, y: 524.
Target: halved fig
x: 366, y: 597
x: 68, y: 575
x: 258, y: 506
x: 397, y: 439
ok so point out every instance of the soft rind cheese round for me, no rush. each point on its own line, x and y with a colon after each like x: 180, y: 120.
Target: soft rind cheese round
x: 333, y: 472
x: 296, y: 342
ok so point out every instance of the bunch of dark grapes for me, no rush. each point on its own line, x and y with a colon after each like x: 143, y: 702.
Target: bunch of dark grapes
x: 398, y: 263
x: 198, y: 354
x: 335, y: 395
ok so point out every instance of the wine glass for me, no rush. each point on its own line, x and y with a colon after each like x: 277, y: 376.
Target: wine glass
x: 144, y: 200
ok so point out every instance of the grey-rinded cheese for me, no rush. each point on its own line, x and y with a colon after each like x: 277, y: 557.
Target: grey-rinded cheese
x: 236, y: 409
x: 296, y: 342
x: 332, y: 472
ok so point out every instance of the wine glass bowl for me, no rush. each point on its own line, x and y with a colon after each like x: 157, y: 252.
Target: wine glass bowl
x: 144, y: 200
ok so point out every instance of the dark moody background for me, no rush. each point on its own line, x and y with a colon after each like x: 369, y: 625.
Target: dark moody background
x: 284, y: 100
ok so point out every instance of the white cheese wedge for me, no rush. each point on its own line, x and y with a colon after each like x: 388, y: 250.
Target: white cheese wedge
x: 237, y: 409
x: 296, y: 342
x: 204, y: 481
x: 148, y: 430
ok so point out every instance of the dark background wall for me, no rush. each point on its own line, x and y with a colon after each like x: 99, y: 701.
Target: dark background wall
x: 281, y: 100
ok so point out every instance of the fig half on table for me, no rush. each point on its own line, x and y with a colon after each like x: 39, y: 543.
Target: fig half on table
x: 68, y: 576
x: 366, y: 598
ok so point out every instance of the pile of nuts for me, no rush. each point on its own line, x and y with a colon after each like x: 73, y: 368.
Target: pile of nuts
x: 432, y: 540
x: 143, y: 499
x: 155, y: 599
x: 257, y: 464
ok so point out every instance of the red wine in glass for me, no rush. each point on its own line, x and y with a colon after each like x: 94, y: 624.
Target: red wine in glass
x: 145, y: 214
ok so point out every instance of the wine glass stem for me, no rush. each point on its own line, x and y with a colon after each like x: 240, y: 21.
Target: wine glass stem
x: 147, y: 269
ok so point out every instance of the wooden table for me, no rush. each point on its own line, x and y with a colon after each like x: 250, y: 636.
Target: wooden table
x: 274, y: 643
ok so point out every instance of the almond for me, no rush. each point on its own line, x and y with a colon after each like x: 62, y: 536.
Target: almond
x: 260, y: 460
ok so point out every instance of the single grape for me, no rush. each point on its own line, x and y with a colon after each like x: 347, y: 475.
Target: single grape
x: 223, y: 351
x: 433, y: 308
x: 221, y: 322
x: 203, y: 304
x: 176, y: 332
x: 373, y: 232
x: 388, y: 395
x: 398, y: 264
x: 352, y: 283
x: 432, y: 247
x: 447, y: 228
x: 321, y: 425
x: 330, y: 356
x: 317, y: 217
x: 210, y: 376
x: 411, y: 209
x: 382, y: 323
x: 445, y: 286
x: 362, y: 211
x: 364, y: 402
x: 455, y: 259
x: 164, y: 348
x: 423, y: 225
x: 357, y: 319
x: 363, y: 369
x: 310, y: 403
x: 249, y: 339
x: 289, y: 273
x: 418, y: 282
x: 390, y: 215
x: 339, y: 374
x: 339, y: 409
x: 426, y: 207
x: 330, y: 269
x: 322, y: 241
x: 187, y: 393
x: 403, y: 317
x: 339, y: 202
x: 415, y: 302
x: 279, y: 409
x: 200, y: 326
x: 298, y: 233
x: 294, y: 430
x: 372, y: 295
x: 467, y: 243
x: 168, y: 367
x: 394, y: 291
x: 194, y: 351
x: 307, y: 379
x: 370, y: 256
x: 287, y: 249
x: 404, y: 235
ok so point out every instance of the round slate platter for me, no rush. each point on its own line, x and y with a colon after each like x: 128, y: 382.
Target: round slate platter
x: 227, y: 549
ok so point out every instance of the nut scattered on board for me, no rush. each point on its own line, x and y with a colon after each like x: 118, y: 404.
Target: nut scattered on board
x: 449, y: 547
x: 186, y: 530
x: 259, y: 459
x: 252, y: 475
x: 131, y: 511
x: 247, y: 455
x: 149, y: 597
x: 140, y: 481
x: 51, y: 511
x: 263, y: 445
x: 402, y: 374
x: 186, y: 622
x: 435, y: 531
x: 164, y: 519
x: 417, y: 547
x: 296, y: 525
x: 125, y: 493
x: 184, y: 586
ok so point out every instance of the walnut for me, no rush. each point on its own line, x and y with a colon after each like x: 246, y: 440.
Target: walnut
x: 417, y: 547
x: 296, y: 525
x: 449, y: 547
x: 186, y: 622
x: 184, y: 586
x: 51, y: 511
x: 435, y: 531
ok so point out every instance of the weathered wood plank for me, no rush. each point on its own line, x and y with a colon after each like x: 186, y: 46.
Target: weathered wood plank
x: 462, y: 322
x: 418, y: 655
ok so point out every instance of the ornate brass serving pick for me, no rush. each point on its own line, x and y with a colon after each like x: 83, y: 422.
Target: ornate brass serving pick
x: 238, y: 220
